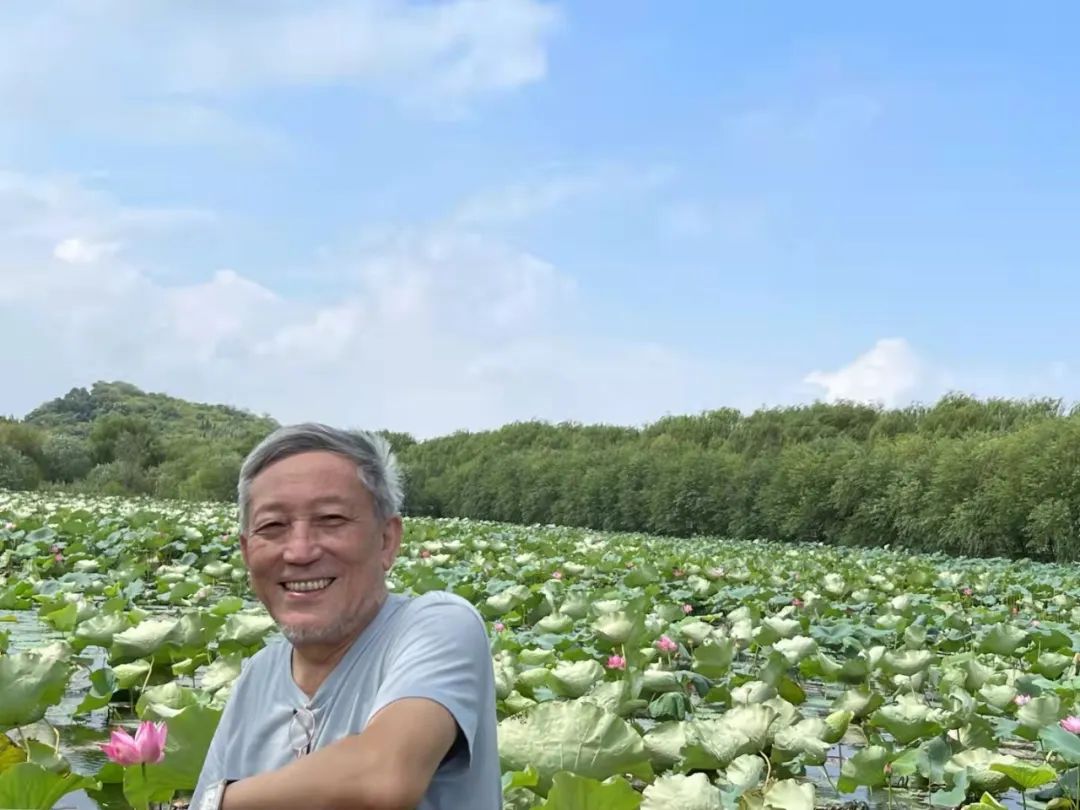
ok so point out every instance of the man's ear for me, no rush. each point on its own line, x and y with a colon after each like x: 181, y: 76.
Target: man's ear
x: 391, y: 541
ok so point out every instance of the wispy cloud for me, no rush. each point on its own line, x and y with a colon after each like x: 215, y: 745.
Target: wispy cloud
x: 164, y: 67
x: 521, y: 201
x: 885, y: 374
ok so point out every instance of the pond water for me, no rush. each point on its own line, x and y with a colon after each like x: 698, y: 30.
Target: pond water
x: 79, y: 740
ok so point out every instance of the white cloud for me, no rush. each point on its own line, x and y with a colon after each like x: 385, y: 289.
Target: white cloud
x: 432, y: 330
x: 884, y: 374
x: 81, y: 251
x: 158, y: 69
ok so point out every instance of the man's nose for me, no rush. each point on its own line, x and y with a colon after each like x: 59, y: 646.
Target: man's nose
x: 300, y: 545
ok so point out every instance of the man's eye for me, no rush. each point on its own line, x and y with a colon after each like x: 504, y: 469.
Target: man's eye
x: 268, y: 528
x: 332, y: 520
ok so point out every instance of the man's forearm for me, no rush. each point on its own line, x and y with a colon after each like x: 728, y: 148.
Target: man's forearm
x: 342, y: 776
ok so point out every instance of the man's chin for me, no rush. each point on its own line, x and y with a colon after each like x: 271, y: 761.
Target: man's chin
x: 330, y: 633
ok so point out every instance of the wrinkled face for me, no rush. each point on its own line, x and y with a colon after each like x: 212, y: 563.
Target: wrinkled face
x: 315, y: 550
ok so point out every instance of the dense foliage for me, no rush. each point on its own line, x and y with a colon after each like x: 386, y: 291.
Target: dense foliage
x: 982, y: 478
x: 631, y: 672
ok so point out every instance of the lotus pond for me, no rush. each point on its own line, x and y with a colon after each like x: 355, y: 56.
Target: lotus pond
x: 632, y: 671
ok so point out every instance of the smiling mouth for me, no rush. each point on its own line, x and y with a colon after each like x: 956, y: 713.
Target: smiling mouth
x: 307, y: 585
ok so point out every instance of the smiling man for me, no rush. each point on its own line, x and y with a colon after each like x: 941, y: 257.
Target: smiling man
x: 372, y: 699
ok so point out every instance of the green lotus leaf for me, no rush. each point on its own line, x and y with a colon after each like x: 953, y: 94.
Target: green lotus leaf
x: 1003, y: 639
x: 695, y: 631
x: 711, y: 745
x: 1033, y: 716
x: 861, y: 702
x: 752, y: 692
x: 618, y: 628
x: 795, y: 649
x: 244, y: 631
x: 1051, y: 665
x: 693, y: 792
x: 99, y: 630
x: 227, y: 605
x: 102, y: 686
x: 752, y: 722
x: 865, y: 768
x: 574, y: 679
x: 28, y: 786
x: 664, y: 743
x: 573, y: 736
x: 836, y: 725
x: 713, y: 658
x: 128, y: 675
x: 908, y: 662
x: 555, y: 623
x: 510, y: 599
x: 31, y: 682
x: 572, y: 792
x: 1026, y: 775
x: 745, y: 772
x: 1000, y: 696
x: 10, y: 753
x: 805, y: 739
x: 537, y: 657
x: 981, y: 777
x: 576, y: 606
x: 1063, y: 743
x: 145, y: 640
x: 656, y: 680
x: 516, y: 703
x: 223, y: 671
x: 778, y: 627
x: 787, y: 794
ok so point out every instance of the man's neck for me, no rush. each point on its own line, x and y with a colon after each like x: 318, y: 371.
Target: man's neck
x: 312, y: 663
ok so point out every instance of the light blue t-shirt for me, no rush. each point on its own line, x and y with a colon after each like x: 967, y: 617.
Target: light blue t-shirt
x: 432, y: 646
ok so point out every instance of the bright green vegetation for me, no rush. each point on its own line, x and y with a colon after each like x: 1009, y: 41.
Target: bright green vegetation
x: 753, y: 675
x: 993, y: 478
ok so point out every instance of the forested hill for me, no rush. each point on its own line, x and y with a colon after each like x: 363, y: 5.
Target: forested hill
x: 994, y: 477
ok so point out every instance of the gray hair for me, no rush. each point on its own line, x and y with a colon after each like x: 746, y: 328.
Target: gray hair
x: 375, y: 462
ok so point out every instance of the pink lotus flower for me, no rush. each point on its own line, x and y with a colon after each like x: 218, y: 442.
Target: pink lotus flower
x: 678, y: 572
x: 424, y: 554
x: 499, y: 627
x: 1071, y: 724
x: 716, y: 572
x: 1034, y: 622
x: 968, y: 592
x: 616, y: 662
x: 146, y: 747
x: 666, y: 645
x: 58, y: 557
x: 687, y: 609
x: 1021, y: 700
x: 556, y: 574
x: 797, y: 602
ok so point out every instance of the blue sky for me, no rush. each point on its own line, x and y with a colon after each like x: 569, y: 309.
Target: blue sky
x: 435, y: 216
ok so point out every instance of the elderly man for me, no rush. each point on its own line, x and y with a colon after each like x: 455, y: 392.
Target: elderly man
x: 374, y: 700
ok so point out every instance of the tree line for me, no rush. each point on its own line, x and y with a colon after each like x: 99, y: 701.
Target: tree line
x: 989, y: 477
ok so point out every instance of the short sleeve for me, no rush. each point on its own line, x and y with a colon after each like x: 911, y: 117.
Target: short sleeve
x: 442, y: 653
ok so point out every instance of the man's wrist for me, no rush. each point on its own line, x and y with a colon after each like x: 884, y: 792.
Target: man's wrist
x: 213, y: 797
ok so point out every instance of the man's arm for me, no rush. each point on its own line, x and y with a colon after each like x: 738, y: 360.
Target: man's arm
x: 388, y: 766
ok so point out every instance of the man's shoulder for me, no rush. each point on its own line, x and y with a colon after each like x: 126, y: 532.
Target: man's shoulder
x: 441, y: 601
x: 439, y: 612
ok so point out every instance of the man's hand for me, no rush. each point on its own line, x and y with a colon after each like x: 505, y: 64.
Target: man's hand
x: 388, y: 766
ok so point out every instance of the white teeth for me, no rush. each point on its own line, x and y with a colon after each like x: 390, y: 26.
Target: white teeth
x: 307, y: 585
